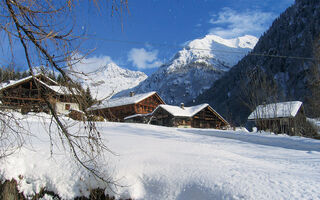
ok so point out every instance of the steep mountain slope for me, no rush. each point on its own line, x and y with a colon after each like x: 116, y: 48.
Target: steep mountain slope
x: 111, y: 79
x: 194, y: 68
x: 260, y: 79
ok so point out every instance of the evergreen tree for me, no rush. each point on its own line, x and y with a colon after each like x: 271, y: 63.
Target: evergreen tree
x: 24, y: 74
x: 313, y: 85
x: 89, y: 100
x: 60, y: 79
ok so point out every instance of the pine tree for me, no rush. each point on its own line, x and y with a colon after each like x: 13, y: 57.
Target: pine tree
x: 60, y: 79
x: 88, y: 97
x: 313, y: 84
x: 24, y: 74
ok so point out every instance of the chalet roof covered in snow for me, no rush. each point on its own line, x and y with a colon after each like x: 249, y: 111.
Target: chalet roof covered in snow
x: 121, y: 101
x: 276, y: 110
x: 11, y: 83
x: 178, y: 111
x: 138, y: 115
x: 61, y: 90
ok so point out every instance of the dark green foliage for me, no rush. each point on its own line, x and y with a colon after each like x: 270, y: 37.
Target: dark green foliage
x: 294, y: 34
x: 313, y: 85
x: 60, y: 79
x: 9, y: 73
x: 308, y: 129
x: 24, y: 74
x: 89, y: 99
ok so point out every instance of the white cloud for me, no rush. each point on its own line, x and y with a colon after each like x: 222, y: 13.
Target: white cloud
x: 229, y: 23
x: 90, y: 64
x: 143, y: 59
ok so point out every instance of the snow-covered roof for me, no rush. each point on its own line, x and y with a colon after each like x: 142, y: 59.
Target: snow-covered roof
x: 276, y: 110
x: 62, y: 90
x: 137, y: 115
x: 11, y: 83
x: 121, y: 101
x: 177, y: 111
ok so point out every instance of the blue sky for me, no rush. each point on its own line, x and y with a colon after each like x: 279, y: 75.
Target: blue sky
x: 152, y: 31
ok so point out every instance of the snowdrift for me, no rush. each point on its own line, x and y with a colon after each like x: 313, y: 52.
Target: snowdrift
x: 154, y: 162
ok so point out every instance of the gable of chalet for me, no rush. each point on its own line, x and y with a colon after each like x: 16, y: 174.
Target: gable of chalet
x: 38, y: 77
x: 287, y: 109
x: 27, y: 93
x: 43, y: 80
x: 188, y: 112
x: 124, y: 101
x: 116, y: 109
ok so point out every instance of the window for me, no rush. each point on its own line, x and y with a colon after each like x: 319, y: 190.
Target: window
x: 67, y: 106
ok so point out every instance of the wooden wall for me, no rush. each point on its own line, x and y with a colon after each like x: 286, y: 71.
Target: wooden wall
x: 288, y: 125
x: 29, y: 95
x: 120, y: 112
x: 206, y: 118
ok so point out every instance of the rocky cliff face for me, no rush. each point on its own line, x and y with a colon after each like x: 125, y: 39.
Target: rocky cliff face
x: 195, y: 68
x: 278, y: 68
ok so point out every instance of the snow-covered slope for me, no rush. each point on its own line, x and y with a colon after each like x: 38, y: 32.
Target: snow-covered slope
x: 107, y: 78
x: 172, y: 163
x: 196, y: 67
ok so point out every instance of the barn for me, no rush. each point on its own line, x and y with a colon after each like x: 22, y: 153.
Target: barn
x: 117, y: 109
x: 283, y: 117
x: 28, y: 94
x: 200, y: 116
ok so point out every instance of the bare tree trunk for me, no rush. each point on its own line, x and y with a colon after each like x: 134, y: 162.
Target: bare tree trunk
x: 42, y: 28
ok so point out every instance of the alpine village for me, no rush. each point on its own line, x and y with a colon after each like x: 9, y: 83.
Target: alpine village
x: 226, y: 116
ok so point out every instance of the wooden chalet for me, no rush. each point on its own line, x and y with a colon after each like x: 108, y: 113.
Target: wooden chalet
x: 117, y: 109
x: 283, y: 117
x: 200, y: 116
x: 28, y: 94
x: 139, y: 118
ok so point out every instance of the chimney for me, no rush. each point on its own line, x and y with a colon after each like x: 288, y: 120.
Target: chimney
x: 131, y: 94
x: 182, y: 105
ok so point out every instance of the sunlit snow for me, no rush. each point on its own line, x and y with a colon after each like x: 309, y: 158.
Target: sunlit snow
x: 155, y: 162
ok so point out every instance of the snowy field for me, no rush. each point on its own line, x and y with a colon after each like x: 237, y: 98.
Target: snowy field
x: 155, y: 162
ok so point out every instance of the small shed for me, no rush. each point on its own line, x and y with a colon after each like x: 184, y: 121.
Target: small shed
x: 117, y: 109
x: 200, y: 116
x: 283, y: 117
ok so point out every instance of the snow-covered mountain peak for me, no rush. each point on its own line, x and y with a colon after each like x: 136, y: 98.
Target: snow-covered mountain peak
x: 109, y: 78
x: 213, y: 50
x: 247, y: 41
x: 112, y: 70
x: 195, y: 67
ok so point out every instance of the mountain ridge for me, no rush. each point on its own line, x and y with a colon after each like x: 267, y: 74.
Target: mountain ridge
x: 293, y: 34
x: 110, y: 79
x: 193, y: 69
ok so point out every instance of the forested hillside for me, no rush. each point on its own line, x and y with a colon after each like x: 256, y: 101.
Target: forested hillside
x: 283, y: 66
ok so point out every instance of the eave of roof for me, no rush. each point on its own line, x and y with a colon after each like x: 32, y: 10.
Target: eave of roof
x: 17, y: 82
x: 287, y: 109
x: 61, y: 90
x: 122, y: 101
x: 177, y: 111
